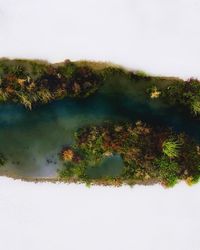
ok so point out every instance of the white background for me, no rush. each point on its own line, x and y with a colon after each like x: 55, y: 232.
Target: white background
x: 157, y: 36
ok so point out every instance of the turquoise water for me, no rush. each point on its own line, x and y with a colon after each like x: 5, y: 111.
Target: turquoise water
x: 32, y: 140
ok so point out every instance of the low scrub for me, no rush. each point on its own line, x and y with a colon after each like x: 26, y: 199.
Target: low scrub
x: 149, y: 154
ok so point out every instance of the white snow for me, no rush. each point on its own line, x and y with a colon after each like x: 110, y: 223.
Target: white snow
x: 157, y: 36
x: 59, y: 216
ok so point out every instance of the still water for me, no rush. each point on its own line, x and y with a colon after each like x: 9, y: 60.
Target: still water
x: 32, y: 140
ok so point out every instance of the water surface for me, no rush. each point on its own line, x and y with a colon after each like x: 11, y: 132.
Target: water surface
x: 32, y: 140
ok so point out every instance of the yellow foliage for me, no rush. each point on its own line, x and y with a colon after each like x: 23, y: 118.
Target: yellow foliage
x: 21, y: 81
x: 155, y: 93
x: 67, y: 155
x: 189, y: 181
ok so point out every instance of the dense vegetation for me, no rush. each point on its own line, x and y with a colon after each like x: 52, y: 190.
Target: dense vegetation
x: 150, y: 155
x: 33, y: 82
x: 186, y: 94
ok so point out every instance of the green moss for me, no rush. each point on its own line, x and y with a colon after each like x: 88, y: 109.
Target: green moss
x: 168, y: 171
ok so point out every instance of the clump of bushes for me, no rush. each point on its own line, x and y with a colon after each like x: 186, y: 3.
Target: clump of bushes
x: 185, y: 94
x: 68, y: 154
x: 149, y: 154
x: 34, y: 82
x: 168, y: 171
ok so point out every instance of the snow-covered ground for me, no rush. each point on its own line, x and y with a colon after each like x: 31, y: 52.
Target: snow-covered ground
x: 58, y: 216
x: 157, y: 36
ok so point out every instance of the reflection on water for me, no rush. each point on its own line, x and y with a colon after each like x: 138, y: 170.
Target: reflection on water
x: 32, y: 140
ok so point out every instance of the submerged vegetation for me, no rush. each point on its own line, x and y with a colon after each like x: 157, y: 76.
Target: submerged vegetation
x: 150, y: 155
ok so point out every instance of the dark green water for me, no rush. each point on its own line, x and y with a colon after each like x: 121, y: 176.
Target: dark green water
x: 109, y: 166
x: 32, y: 140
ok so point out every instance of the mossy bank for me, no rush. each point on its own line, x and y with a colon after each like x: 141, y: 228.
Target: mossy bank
x: 32, y: 82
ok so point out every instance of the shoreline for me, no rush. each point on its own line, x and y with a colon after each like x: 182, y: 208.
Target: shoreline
x: 57, y: 180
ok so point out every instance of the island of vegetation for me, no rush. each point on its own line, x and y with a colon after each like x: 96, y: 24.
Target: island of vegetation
x: 149, y: 153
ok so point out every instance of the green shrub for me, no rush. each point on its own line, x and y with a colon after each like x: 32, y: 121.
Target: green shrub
x: 171, y: 148
x: 67, y: 69
x: 195, y: 107
x: 71, y: 170
x: 167, y: 171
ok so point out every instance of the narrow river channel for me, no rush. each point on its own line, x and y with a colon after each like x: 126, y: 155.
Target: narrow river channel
x: 32, y: 140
